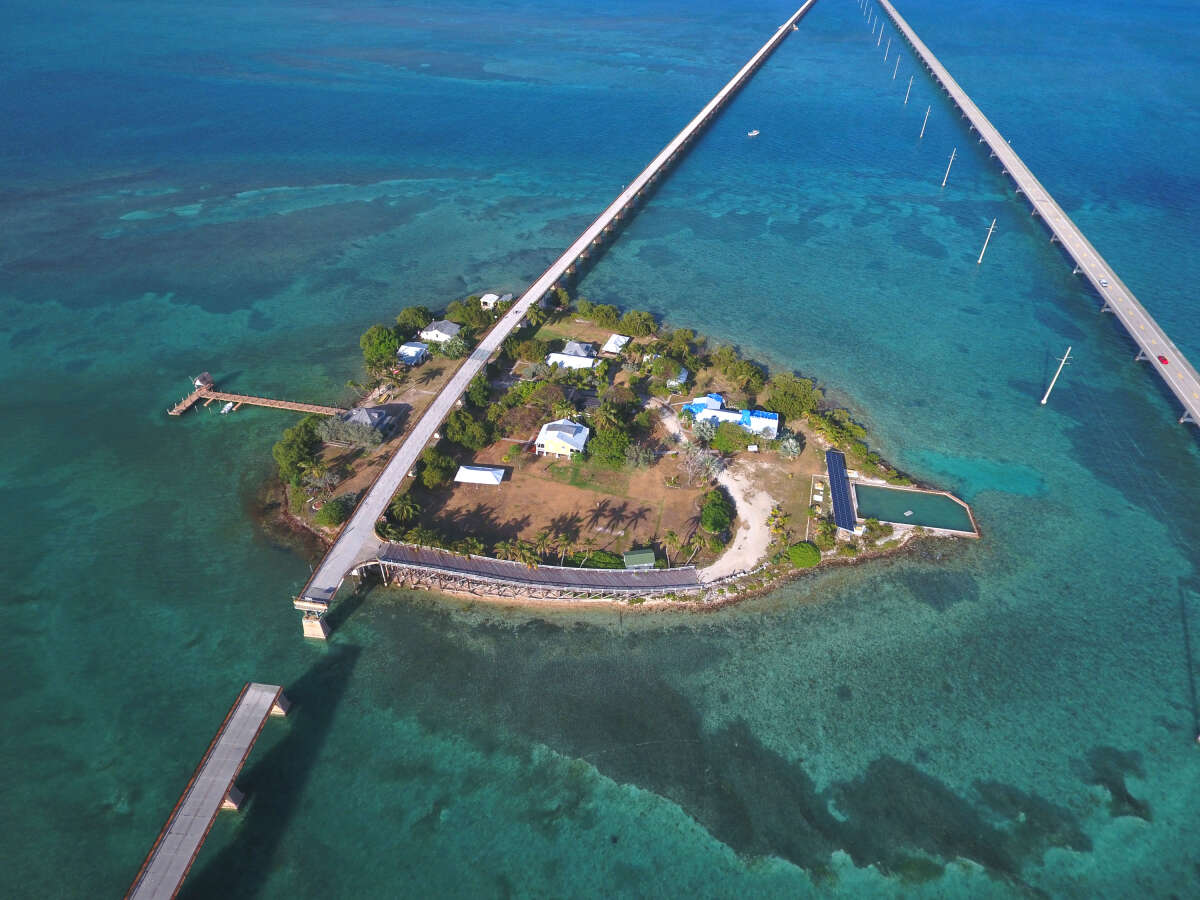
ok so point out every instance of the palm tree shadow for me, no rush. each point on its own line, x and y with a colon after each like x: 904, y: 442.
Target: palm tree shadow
x: 274, y: 783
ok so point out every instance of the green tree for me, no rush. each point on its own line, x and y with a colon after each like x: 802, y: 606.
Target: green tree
x: 298, y: 448
x: 424, y: 536
x: 469, y: 546
x: 531, y: 350
x: 479, y: 391
x: 379, y: 345
x: 436, y: 468
x: 790, y: 396
x: 536, y: 316
x: 605, y: 416
x: 467, y: 431
x: 455, y: 348
x: 412, y: 319
x: 639, y: 323
x: 731, y: 438
x: 826, y: 535
x: 605, y: 315
x: 608, y: 446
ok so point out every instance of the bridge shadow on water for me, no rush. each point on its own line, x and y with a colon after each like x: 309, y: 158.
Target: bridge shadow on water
x: 274, y: 783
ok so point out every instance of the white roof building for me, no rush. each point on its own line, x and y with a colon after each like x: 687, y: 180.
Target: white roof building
x: 562, y: 438
x: 615, y: 344
x: 412, y: 353
x: 440, y: 331
x: 568, y: 361
x: 489, y: 301
x: 479, y: 475
x: 575, y: 348
x: 679, y: 380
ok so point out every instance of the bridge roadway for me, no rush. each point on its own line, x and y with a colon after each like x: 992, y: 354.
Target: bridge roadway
x: 357, y: 541
x: 1152, y: 341
x: 180, y: 840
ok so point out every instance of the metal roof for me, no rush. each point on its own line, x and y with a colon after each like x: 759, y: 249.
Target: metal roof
x: 839, y: 487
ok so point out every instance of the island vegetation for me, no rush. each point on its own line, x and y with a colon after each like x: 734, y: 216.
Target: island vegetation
x: 652, y: 474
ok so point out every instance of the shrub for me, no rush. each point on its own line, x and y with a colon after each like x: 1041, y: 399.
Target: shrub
x: 455, y: 348
x: 638, y: 323
x: 638, y: 456
x: 874, y: 530
x: 826, y: 536
x: 608, y: 446
x: 356, y: 434
x: 335, y: 511
x: 804, y: 555
x: 731, y: 438
x: 790, y: 396
x: 705, y: 431
x: 716, y: 515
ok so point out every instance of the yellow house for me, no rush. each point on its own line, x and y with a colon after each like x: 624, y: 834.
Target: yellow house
x: 561, y: 438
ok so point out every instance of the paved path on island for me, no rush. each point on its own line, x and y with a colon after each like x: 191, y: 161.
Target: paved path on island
x: 1154, y: 345
x: 180, y: 840
x: 357, y: 541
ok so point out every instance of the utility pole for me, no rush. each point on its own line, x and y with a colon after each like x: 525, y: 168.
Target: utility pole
x: 990, y: 229
x: 1062, y: 362
x: 953, y: 153
x: 909, y: 91
x: 897, y: 69
x: 923, y: 124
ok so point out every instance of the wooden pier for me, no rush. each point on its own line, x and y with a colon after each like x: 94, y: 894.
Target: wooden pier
x: 207, y: 391
x: 210, y: 790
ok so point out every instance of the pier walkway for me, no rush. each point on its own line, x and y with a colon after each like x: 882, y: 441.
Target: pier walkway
x: 357, y: 541
x: 208, y: 394
x: 1153, y: 344
x: 210, y: 790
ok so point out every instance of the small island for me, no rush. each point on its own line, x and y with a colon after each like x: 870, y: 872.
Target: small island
x: 600, y: 440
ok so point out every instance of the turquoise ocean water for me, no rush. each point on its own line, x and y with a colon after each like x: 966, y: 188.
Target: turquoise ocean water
x: 244, y: 188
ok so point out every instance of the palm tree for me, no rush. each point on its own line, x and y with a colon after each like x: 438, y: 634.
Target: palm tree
x: 562, y: 545
x: 694, y: 544
x: 543, y: 542
x: 469, y: 546
x: 509, y: 550
x: 423, y: 536
x: 527, y: 554
x: 404, y: 509
x: 673, y: 543
x: 536, y: 316
x: 605, y: 416
x: 564, y: 409
x: 589, y: 547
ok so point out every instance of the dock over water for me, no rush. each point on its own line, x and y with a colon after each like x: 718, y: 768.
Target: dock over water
x: 1154, y: 346
x: 207, y: 391
x: 210, y: 790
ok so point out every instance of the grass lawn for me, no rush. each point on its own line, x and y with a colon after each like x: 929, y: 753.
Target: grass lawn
x: 589, y: 476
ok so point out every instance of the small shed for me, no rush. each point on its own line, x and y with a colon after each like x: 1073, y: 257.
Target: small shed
x: 489, y: 301
x: 615, y: 344
x: 413, y: 353
x: 479, y: 475
x: 639, y: 559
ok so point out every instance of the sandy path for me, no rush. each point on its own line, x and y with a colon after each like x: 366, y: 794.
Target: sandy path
x: 753, y: 536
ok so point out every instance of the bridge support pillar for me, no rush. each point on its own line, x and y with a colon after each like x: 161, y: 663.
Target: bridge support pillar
x: 1076, y: 270
x: 233, y: 800
x: 1186, y: 418
x: 281, y: 706
x: 1141, y: 356
x: 314, y: 626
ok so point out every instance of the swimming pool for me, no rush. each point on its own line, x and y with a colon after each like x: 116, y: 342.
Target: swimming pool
x: 929, y: 510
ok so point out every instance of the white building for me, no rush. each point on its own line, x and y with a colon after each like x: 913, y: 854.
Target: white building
x: 413, y: 353
x: 441, y: 331
x: 615, y: 344
x: 562, y: 438
x: 570, y: 362
x: 679, y: 380
x: 575, y: 348
x: 489, y: 301
x: 479, y: 475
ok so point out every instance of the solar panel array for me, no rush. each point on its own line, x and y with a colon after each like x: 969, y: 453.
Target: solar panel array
x: 839, y: 487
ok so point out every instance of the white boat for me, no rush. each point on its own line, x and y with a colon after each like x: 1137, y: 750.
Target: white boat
x: 907, y: 513
x: 753, y: 133
x: 227, y: 408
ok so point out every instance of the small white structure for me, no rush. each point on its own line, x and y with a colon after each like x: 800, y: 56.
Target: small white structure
x: 489, y: 301
x: 575, y: 348
x: 561, y: 438
x: 413, y: 353
x: 679, y: 380
x: 479, y: 475
x: 441, y: 331
x: 570, y: 362
x: 615, y: 344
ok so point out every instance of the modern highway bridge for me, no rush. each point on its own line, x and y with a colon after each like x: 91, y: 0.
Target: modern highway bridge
x: 210, y: 790
x: 357, y: 541
x: 1153, y: 344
